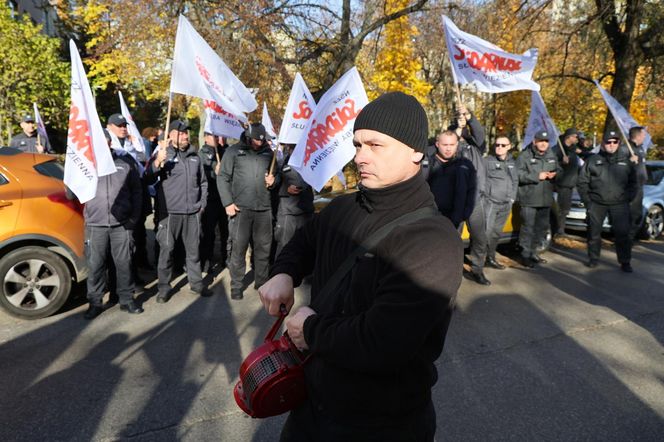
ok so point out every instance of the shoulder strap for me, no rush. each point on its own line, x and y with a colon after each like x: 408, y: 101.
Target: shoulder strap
x: 371, y: 242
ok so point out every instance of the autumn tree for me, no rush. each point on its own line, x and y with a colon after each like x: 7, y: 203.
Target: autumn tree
x: 30, y: 72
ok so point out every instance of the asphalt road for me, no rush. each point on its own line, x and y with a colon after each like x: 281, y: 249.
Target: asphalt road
x: 556, y: 353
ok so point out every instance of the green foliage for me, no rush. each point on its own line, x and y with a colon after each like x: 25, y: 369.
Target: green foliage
x: 30, y: 72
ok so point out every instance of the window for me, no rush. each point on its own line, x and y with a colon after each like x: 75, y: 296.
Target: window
x: 655, y: 174
x: 51, y: 169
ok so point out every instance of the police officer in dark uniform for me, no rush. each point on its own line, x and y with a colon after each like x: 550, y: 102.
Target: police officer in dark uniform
x: 211, y: 154
x: 566, y: 180
x: 537, y: 167
x: 181, y: 197
x: 637, y: 135
x: 28, y: 141
x: 607, y: 183
x: 244, y: 184
x: 296, y: 202
x: 502, y: 183
x: 110, y: 218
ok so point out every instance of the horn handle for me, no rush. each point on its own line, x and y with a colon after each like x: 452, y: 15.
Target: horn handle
x: 275, y: 327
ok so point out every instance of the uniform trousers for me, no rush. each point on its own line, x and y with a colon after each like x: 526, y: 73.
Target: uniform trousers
x: 496, y: 216
x: 170, y: 229
x: 286, y: 226
x: 636, y: 213
x: 478, y: 240
x: 564, y: 205
x: 620, y: 224
x: 534, y: 225
x: 99, y: 241
x: 257, y: 226
x: 213, y: 216
x: 307, y: 423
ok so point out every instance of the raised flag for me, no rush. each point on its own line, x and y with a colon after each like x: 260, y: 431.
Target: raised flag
x: 88, y: 156
x: 624, y: 120
x: 199, y: 72
x: 219, y: 122
x: 300, y: 108
x: 135, y: 137
x: 328, y: 142
x: 266, y: 121
x: 540, y: 120
x: 485, y: 65
x: 41, y: 129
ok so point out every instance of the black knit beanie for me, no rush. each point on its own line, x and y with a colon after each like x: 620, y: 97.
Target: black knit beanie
x: 398, y: 115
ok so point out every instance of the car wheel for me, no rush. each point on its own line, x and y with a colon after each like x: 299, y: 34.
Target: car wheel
x: 34, y: 282
x: 653, y: 225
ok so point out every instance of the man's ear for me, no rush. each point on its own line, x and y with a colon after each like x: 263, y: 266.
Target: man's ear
x: 416, y: 157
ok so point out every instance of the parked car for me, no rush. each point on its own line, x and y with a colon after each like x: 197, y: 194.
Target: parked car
x: 653, y: 205
x: 41, y: 235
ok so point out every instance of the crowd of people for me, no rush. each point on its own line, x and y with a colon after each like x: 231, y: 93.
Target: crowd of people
x: 378, y: 316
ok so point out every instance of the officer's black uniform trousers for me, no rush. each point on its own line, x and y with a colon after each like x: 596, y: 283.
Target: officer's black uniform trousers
x: 99, y: 240
x: 257, y: 225
x: 620, y: 223
x: 174, y: 226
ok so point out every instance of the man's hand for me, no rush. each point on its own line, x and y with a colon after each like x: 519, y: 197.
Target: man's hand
x: 295, y: 327
x: 294, y: 190
x: 160, y: 159
x: 565, y: 159
x: 634, y: 159
x: 217, y: 168
x: 39, y: 148
x: 552, y: 175
x: 543, y: 176
x: 276, y: 291
x: 232, y: 210
x: 269, y: 180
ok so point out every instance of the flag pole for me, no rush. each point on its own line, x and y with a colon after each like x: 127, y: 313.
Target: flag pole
x: 168, y: 115
x: 629, y: 146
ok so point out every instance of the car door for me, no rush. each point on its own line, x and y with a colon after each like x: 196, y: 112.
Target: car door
x: 10, y: 203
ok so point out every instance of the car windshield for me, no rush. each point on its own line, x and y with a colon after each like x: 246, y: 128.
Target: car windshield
x: 655, y: 174
x: 51, y: 169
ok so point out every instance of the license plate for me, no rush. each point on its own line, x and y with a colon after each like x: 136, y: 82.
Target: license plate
x: 577, y: 215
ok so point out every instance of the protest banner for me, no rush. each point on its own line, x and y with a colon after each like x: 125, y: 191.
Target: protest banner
x: 540, y: 120
x: 300, y: 108
x: 220, y: 122
x: 136, y: 140
x: 266, y: 121
x: 41, y: 128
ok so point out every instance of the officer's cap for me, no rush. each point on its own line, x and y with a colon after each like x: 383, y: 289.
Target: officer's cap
x: 27, y: 118
x: 569, y: 132
x: 255, y: 131
x: 117, y: 119
x: 542, y: 135
x: 611, y: 135
x: 178, y: 125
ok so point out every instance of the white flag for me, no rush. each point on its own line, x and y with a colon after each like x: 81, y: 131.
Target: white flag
x: 540, y: 120
x: 88, y: 155
x: 488, y: 67
x: 219, y: 122
x: 621, y: 116
x: 41, y: 128
x: 267, y: 123
x: 199, y: 72
x: 300, y: 108
x: 328, y: 144
x: 136, y: 144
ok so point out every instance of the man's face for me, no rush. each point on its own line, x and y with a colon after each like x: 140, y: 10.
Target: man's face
x: 502, y: 146
x: 611, y: 145
x: 541, y: 145
x: 211, y: 140
x: 572, y: 139
x: 119, y: 131
x: 28, y: 127
x: 256, y: 144
x: 447, y: 146
x: 640, y: 137
x: 179, y: 139
x: 382, y: 160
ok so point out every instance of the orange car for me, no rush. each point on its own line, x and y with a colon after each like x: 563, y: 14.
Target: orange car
x: 41, y: 235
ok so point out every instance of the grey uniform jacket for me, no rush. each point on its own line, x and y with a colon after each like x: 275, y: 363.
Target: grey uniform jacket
x: 502, y: 180
x: 534, y: 192
x: 607, y: 179
x: 118, y: 200
x: 27, y: 143
x: 241, y: 180
x: 182, y: 187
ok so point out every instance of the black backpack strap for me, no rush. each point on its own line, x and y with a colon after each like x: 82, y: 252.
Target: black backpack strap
x: 370, y: 244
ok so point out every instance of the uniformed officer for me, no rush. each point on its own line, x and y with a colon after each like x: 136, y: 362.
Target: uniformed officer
x: 211, y: 154
x: 637, y: 135
x: 110, y: 218
x: 537, y: 167
x: 502, y: 183
x: 29, y: 141
x: 472, y: 146
x: 607, y: 183
x: 244, y: 185
x: 296, y: 202
x: 566, y: 180
x: 181, y: 189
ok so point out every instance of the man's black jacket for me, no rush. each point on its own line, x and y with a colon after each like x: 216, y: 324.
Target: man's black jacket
x: 607, y: 179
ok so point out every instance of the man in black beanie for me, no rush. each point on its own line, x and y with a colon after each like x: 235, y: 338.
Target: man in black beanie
x: 374, y: 333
